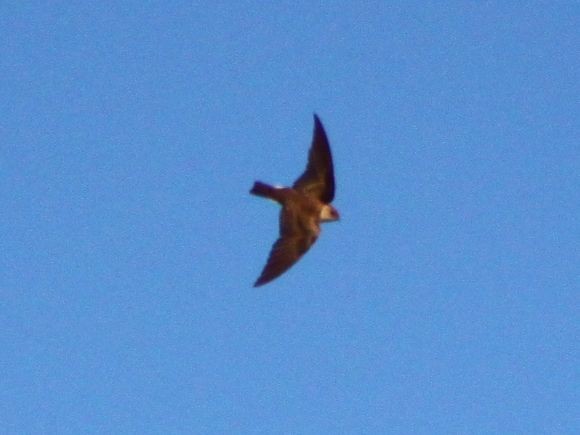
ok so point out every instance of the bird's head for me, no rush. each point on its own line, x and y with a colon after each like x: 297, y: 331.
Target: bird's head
x: 329, y: 214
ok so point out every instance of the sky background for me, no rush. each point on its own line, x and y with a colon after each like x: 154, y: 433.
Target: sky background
x: 444, y: 301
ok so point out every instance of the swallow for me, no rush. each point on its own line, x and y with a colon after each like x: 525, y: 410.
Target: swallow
x: 305, y: 206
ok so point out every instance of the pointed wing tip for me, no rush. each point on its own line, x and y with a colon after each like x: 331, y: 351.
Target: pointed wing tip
x: 261, y: 281
x: 263, y: 278
x: 318, y: 127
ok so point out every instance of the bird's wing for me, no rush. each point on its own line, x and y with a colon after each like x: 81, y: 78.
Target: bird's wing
x: 318, y: 178
x: 295, y: 240
x: 285, y: 252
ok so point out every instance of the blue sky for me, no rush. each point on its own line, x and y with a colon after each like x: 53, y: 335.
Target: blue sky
x: 446, y: 299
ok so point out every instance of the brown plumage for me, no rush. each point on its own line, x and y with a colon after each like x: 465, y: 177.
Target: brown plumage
x: 304, y: 206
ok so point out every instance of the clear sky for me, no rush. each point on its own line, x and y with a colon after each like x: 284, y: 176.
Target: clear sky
x: 446, y: 300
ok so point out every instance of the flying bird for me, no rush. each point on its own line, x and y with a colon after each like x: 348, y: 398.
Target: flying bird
x: 304, y: 206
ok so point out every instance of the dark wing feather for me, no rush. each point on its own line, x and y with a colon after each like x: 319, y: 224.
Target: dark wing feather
x: 318, y: 178
x: 296, y: 238
x: 284, y: 254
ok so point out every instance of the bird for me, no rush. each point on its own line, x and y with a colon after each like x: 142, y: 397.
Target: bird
x: 305, y: 206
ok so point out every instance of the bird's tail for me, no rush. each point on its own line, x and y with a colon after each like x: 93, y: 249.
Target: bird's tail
x: 266, y: 191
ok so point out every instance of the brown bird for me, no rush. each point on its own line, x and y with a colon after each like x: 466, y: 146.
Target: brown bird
x: 304, y: 206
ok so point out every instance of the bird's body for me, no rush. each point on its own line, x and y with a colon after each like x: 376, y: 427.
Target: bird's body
x: 304, y: 206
